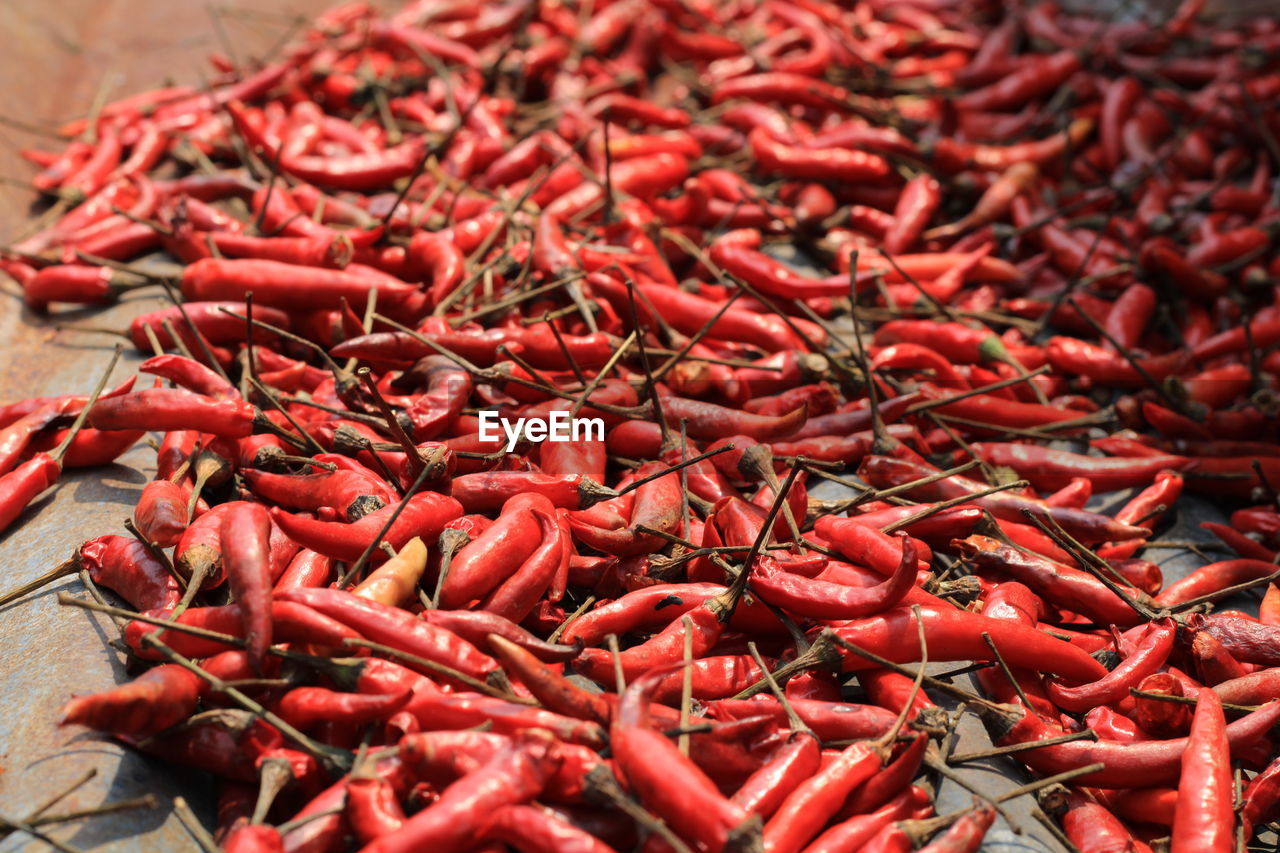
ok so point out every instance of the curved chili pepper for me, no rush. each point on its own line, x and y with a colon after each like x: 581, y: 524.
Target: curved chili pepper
x: 439, y: 756
x: 1260, y: 798
x: 125, y: 566
x: 1152, y: 651
x: 817, y: 599
x: 516, y: 595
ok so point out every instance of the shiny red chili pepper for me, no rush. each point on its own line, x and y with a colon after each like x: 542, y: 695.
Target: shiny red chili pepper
x: 1205, y: 817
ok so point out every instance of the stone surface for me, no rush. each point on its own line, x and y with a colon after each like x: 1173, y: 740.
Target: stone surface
x: 56, y: 56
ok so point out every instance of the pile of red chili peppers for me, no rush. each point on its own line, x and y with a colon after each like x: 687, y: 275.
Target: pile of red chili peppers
x: 976, y: 263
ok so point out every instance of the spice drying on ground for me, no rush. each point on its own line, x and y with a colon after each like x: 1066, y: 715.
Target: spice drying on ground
x: 977, y: 265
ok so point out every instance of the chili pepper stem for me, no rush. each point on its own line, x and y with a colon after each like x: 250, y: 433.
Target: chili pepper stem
x: 821, y: 654
x: 637, y: 483
x: 97, y: 330
x: 157, y: 553
x: 22, y: 826
x: 451, y: 540
x: 416, y: 467
x: 573, y: 617
x: 67, y: 567
x: 474, y: 683
x: 797, y: 725
x: 686, y: 684
x: 290, y: 825
x: 934, y: 762
x: 1189, y: 700
x: 147, y: 801
x: 199, y: 574
x: 1004, y: 668
x: 620, y: 679
x: 192, y: 825
x: 273, y: 775
x: 336, y: 761
x: 1217, y: 595
x: 1086, y: 559
x: 1048, y: 781
x: 883, y: 744
x: 1012, y: 749
x: 58, y: 452
x: 603, y: 787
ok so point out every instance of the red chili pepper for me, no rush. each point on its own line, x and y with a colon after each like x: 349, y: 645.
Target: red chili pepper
x: 1074, y: 588
x: 125, y: 566
x: 394, y: 627
x: 351, y: 493
x: 456, y: 821
x: 304, y: 707
x: 883, y: 472
x: 281, y: 285
x: 373, y: 807
x: 666, y: 781
x: 1054, y: 469
x: 154, y: 701
x: 173, y: 408
x: 817, y: 599
x: 1151, y: 653
x: 489, y: 491
x: 161, y: 513
x: 957, y: 636
x: 424, y: 514
x: 245, y: 532
x: 1261, y: 796
x: 1127, y: 765
x: 916, y: 206
x: 838, y: 164
x: 1205, y: 815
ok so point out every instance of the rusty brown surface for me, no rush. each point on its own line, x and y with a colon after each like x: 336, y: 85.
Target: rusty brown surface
x: 56, y: 56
